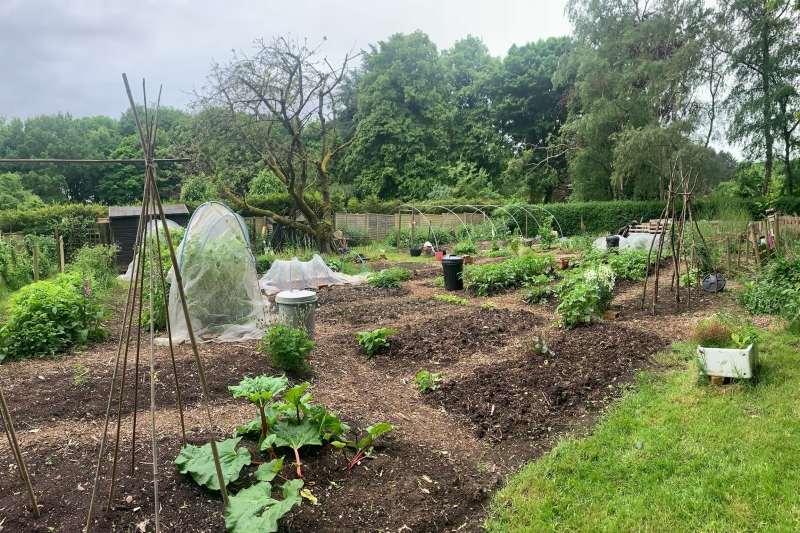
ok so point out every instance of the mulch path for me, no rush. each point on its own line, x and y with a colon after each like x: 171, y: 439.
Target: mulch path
x: 499, y: 405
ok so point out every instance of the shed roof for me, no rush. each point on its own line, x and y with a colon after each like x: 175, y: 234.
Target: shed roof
x: 135, y: 211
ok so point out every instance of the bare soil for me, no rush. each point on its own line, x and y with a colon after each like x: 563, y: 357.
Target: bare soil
x: 499, y: 406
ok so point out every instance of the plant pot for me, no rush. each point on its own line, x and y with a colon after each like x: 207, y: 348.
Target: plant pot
x: 728, y: 362
x: 415, y: 252
x: 439, y: 255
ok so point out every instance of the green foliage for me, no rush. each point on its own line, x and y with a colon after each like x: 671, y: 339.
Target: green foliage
x: 16, y: 268
x: 80, y: 375
x: 254, y: 510
x: 537, y: 346
x: 546, y: 236
x: 365, y: 445
x: 160, y: 300
x: 724, y: 331
x: 199, y: 189
x: 373, y: 341
x: 389, y: 278
x: 774, y: 290
x: 49, y: 264
x: 264, y: 262
x: 259, y: 390
x: 199, y: 462
x: 14, y: 196
x: 97, y: 263
x: 266, y: 183
x: 537, y: 289
x: 449, y: 298
x: 46, y: 317
x: 288, y: 348
x: 427, y: 381
x: 585, y: 294
x: 490, y: 278
x: 465, y: 248
x: 625, y: 264
x: 438, y: 282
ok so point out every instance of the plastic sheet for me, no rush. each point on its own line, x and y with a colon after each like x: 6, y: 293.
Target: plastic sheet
x: 634, y: 241
x: 128, y: 275
x: 296, y: 274
x: 219, y: 277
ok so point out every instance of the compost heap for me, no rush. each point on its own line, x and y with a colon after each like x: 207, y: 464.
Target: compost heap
x: 296, y: 274
x: 128, y: 275
x: 219, y: 277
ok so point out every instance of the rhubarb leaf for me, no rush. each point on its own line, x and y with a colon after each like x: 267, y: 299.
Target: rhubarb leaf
x: 261, y: 389
x: 253, y: 510
x: 268, y: 471
x: 199, y: 462
x: 373, y: 432
x: 297, y: 434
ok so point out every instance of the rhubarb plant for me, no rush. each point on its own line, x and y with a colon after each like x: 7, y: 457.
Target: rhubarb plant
x: 364, y: 446
x: 260, y: 391
x: 199, y: 462
x: 254, y: 510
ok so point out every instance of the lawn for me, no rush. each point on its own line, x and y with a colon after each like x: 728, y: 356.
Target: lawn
x: 677, y: 454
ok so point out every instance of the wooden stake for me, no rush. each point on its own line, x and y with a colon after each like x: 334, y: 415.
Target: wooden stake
x: 61, y: 251
x: 36, y: 263
x: 399, y: 227
x: 727, y: 256
x: 12, y: 440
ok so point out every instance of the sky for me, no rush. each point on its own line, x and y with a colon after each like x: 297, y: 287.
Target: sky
x: 69, y: 55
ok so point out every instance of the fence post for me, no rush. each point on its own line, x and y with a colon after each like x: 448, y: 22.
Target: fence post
x: 727, y: 256
x: 399, y: 227
x: 36, y: 263
x: 61, y: 251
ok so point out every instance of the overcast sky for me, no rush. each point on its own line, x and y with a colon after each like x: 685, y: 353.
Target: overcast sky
x: 68, y: 55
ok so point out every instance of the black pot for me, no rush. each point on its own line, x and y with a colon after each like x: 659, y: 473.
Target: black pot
x: 415, y: 252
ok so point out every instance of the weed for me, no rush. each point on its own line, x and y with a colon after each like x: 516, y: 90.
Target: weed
x: 489, y: 305
x: 449, y: 298
x: 389, y: 278
x: 438, y: 282
x: 80, y: 375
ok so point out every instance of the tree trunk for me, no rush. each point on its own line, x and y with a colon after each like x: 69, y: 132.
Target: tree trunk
x: 787, y: 162
x: 769, y: 139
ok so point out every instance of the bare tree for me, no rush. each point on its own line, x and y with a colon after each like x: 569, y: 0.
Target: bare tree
x: 280, y: 105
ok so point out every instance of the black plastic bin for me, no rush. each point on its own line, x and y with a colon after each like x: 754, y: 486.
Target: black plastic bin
x: 612, y: 241
x: 453, y: 267
x: 415, y: 252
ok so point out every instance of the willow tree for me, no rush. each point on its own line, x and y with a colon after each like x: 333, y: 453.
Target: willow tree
x: 278, y: 109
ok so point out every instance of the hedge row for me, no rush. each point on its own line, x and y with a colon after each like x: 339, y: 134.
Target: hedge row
x: 42, y: 221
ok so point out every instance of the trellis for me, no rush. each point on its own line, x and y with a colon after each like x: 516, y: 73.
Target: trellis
x: 151, y: 210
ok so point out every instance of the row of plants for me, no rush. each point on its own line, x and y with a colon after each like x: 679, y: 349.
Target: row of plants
x: 491, y: 278
x: 775, y: 288
x: 291, y: 423
x: 49, y: 316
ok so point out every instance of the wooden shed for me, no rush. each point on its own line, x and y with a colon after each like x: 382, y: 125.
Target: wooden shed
x: 124, y: 221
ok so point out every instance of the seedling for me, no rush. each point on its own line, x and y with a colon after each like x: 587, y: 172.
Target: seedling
x: 489, y: 305
x: 427, y: 381
x: 81, y: 375
x: 372, y: 341
x: 365, y: 445
x: 449, y: 298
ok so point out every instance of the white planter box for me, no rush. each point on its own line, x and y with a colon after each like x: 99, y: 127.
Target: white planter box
x: 728, y: 362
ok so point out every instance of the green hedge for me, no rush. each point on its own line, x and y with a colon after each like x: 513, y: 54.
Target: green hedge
x: 42, y: 221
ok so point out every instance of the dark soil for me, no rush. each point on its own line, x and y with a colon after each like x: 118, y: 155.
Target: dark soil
x: 497, y: 408
x: 542, y: 393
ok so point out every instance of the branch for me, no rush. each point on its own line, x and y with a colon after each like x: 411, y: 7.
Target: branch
x: 244, y: 205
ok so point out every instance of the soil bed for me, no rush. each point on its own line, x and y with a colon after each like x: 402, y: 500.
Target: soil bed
x: 497, y: 407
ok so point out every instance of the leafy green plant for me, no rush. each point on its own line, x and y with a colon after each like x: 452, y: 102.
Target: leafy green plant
x: 449, y: 298
x: 97, y: 263
x: 46, y: 317
x: 536, y: 290
x: 546, y: 236
x: 260, y: 390
x: 438, y: 282
x: 389, y: 278
x: 364, y: 446
x: 426, y: 381
x: 724, y: 331
x: 585, y: 295
x: 491, y: 278
x: 489, y: 305
x: 160, y: 300
x: 264, y: 262
x: 465, y: 248
x: 373, y: 341
x: 199, y: 462
x: 288, y: 348
x: 254, y: 510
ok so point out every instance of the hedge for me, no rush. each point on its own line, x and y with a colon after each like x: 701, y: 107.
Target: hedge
x: 42, y: 221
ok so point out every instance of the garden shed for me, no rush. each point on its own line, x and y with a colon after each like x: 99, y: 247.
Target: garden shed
x: 124, y: 221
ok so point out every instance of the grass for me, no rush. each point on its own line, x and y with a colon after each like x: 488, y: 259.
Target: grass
x: 676, y: 455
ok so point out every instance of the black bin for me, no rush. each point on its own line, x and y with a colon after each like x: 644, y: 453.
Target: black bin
x: 453, y: 267
x: 612, y: 241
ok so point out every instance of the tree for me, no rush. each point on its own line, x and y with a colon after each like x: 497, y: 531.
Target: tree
x: 631, y: 76
x: 529, y: 110
x: 405, y: 111
x: 268, y: 103
x: 763, y: 58
x: 473, y: 138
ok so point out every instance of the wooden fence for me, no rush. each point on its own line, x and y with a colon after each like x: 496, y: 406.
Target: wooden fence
x: 379, y: 226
